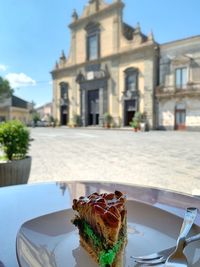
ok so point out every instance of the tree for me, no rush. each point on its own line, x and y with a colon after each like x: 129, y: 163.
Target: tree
x: 32, y: 109
x: 5, y: 89
x: 36, y: 117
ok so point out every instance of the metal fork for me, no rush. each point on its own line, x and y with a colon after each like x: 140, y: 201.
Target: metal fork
x: 177, y: 255
x: 162, y: 255
x: 178, y: 258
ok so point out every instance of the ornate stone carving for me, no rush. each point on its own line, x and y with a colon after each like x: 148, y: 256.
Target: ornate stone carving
x: 150, y: 36
x: 62, y: 59
x: 137, y: 28
x: 128, y: 94
x: 56, y: 65
x: 74, y: 16
x: 137, y: 36
x: 128, y: 31
x: 92, y: 67
x: 80, y: 78
x: 92, y: 27
x: 63, y: 55
x: 94, y: 75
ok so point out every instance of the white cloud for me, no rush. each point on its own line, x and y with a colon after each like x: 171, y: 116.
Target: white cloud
x: 3, y: 67
x: 20, y: 80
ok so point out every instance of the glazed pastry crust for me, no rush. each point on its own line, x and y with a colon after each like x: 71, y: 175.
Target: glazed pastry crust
x: 104, y: 212
x: 105, y: 215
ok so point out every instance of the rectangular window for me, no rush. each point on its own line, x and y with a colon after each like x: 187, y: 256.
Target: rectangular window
x: 131, y: 82
x: 181, y: 77
x: 92, y: 47
x: 63, y: 92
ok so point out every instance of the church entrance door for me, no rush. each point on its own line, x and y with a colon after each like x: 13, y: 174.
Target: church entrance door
x: 64, y: 117
x: 130, y: 109
x: 93, y: 107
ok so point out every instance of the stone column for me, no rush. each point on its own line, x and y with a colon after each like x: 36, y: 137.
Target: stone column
x: 105, y: 99
x: 123, y: 113
x: 83, y: 105
x: 73, y: 51
x: 116, y: 33
x: 101, y: 106
x: 149, y: 90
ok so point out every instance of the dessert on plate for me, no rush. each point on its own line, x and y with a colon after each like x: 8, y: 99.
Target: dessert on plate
x: 102, y: 223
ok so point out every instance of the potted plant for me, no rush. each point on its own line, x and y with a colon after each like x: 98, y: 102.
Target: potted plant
x: 143, y: 122
x: 107, y: 120
x: 136, y: 120
x: 77, y: 120
x: 135, y: 124
x: 14, y: 142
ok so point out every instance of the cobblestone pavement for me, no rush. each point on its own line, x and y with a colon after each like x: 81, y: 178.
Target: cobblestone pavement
x: 169, y: 160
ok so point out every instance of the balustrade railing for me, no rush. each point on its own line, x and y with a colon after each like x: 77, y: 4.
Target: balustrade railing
x: 189, y: 88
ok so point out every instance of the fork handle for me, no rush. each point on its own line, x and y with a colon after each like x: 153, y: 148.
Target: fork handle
x: 192, y: 239
x: 189, y: 219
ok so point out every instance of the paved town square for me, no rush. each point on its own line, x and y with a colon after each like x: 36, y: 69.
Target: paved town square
x: 164, y: 159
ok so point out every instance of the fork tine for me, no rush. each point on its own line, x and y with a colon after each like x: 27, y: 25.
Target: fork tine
x: 164, y: 253
x: 153, y: 256
x: 151, y: 262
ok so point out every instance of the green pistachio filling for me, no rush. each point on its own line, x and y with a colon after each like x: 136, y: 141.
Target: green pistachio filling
x: 90, y: 233
x: 106, y: 257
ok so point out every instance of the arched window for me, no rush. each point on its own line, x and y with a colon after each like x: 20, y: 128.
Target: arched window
x: 131, y: 79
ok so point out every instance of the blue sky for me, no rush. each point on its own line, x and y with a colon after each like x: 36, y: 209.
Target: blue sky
x: 33, y: 33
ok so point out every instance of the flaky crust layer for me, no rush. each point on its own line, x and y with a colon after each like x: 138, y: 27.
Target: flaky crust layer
x: 106, y: 213
x: 89, y: 249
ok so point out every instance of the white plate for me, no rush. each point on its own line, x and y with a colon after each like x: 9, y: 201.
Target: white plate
x: 53, y: 241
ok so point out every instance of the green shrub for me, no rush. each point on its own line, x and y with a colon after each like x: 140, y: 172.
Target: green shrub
x: 14, y: 139
x: 137, y: 119
x: 35, y: 117
x: 138, y: 116
x: 135, y: 124
x: 107, y: 118
x: 77, y: 120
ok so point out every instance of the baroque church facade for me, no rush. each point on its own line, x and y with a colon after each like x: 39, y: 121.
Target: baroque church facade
x: 111, y: 68
x: 115, y: 68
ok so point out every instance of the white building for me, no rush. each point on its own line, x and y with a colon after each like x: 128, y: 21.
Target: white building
x: 178, y: 94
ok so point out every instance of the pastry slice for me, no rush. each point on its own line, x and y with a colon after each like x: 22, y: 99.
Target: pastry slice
x: 102, y: 223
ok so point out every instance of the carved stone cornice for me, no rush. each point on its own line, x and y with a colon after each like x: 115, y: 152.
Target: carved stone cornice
x: 95, y: 83
x: 94, y: 78
x: 113, y: 56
